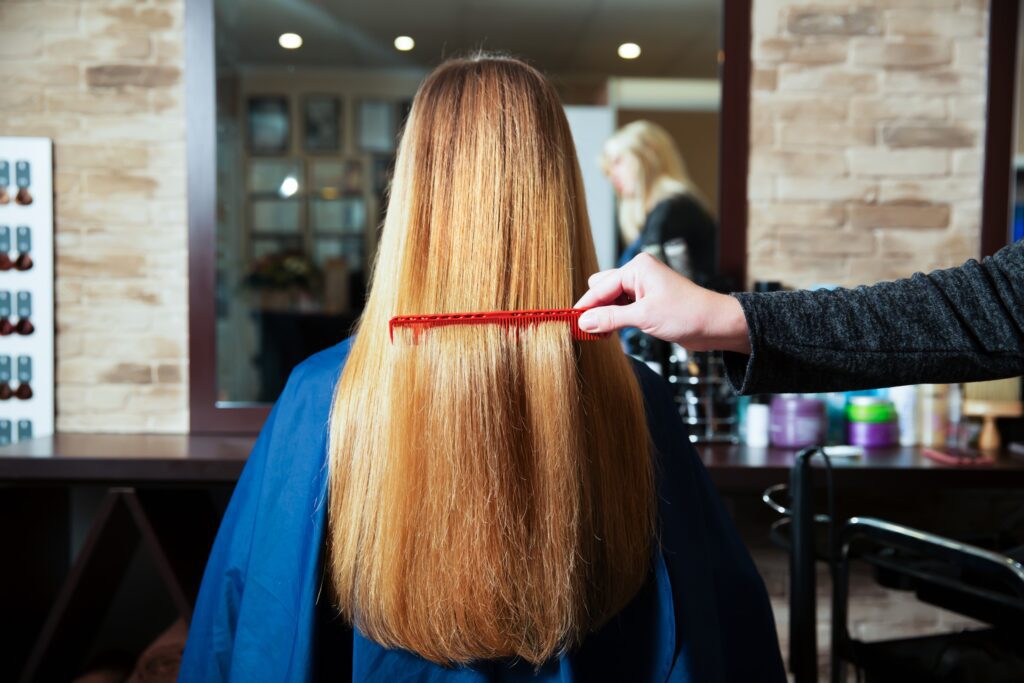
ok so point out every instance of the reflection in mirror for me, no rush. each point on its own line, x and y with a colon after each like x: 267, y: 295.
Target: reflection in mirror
x: 306, y: 139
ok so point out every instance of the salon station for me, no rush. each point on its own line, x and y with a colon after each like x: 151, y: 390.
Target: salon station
x: 192, y: 200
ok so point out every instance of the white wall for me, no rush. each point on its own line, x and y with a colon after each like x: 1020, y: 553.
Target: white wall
x: 591, y: 126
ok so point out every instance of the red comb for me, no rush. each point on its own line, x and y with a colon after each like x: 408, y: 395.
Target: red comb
x: 507, y: 319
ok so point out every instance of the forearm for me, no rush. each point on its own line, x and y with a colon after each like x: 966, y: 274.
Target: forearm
x: 960, y: 324
x: 725, y: 327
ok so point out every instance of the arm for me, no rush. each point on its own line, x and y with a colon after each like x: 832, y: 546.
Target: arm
x: 954, y: 325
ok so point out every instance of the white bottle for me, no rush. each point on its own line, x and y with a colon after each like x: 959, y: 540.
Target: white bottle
x: 933, y: 410
x: 758, y: 423
x: 905, y: 401
x: 955, y: 413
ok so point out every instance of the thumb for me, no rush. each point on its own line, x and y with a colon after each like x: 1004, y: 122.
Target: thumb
x: 610, y: 318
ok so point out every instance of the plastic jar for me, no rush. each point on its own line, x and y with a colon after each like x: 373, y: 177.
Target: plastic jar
x: 797, y: 422
x: 872, y: 422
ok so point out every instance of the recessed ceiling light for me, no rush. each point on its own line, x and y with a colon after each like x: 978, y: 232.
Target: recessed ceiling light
x: 290, y: 41
x: 629, y: 50
x: 289, y: 186
x: 404, y: 43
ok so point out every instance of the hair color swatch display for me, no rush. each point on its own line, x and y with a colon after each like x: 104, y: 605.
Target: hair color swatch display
x: 26, y: 289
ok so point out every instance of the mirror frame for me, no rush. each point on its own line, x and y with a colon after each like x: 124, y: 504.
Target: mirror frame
x: 1000, y: 99
x: 207, y: 417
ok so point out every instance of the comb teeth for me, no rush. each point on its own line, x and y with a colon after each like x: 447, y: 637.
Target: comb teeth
x: 506, y: 319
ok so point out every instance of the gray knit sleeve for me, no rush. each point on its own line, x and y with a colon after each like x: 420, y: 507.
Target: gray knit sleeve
x: 955, y: 325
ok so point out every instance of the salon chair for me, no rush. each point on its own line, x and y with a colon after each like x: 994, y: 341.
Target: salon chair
x: 986, y: 584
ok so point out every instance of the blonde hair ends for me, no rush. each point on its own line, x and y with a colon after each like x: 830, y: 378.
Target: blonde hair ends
x: 491, y: 494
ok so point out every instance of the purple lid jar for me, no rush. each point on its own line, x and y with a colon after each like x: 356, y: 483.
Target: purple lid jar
x: 874, y: 434
x: 797, y: 422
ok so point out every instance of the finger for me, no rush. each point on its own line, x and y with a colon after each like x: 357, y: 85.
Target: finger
x: 610, y: 318
x: 606, y: 287
x: 600, y: 275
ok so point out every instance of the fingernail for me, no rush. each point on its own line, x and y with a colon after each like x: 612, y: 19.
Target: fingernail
x: 588, y: 321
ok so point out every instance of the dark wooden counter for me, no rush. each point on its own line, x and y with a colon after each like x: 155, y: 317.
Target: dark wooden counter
x: 140, y: 459
x: 136, y: 459
x: 742, y: 468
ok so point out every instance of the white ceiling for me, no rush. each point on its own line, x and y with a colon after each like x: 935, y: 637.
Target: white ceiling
x: 679, y: 38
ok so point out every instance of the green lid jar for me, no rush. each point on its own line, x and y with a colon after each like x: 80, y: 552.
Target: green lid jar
x: 870, y: 409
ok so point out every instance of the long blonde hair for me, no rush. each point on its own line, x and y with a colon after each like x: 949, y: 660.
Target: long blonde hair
x: 659, y: 172
x: 491, y: 493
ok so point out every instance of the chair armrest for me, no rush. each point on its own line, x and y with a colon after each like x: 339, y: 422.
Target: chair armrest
x: 991, y: 564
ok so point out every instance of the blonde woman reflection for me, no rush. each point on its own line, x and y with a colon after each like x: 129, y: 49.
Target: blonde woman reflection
x: 661, y: 211
x: 479, y: 506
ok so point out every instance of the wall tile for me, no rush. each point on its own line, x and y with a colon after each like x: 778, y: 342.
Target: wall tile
x: 822, y: 21
x: 140, y: 75
x: 933, y: 22
x: 798, y: 162
x: 826, y: 79
x: 22, y: 44
x: 904, y: 54
x: 64, y: 48
x: 903, y: 107
x: 46, y: 16
x: 811, y: 187
x: 905, y: 214
x: 880, y: 161
x: 917, y: 135
x: 826, y: 134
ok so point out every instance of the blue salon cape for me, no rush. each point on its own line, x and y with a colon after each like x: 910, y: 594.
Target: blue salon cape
x: 703, y: 616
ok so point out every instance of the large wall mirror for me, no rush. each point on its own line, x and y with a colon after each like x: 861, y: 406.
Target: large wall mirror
x: 290, y: 148
x: 308, y: 100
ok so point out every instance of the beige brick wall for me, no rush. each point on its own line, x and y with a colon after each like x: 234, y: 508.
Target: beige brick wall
x: 867, y: 126
x: 104, y: 79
